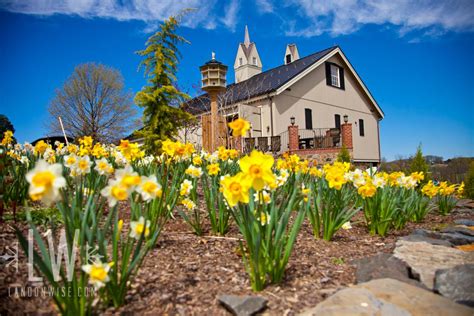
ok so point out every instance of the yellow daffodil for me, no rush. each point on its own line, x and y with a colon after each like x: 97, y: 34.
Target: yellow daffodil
x: 7, y: 138
x: 257, y: 167
x: 213, y: 169
x: 430, y: 189
x: 40, y: 147
x: 236, y: 189
x: 367, y: 190
x: 197, y: 160
x: 239, y: 127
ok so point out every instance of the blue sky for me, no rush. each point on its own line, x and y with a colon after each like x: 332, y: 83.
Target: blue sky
x: 416, y: 57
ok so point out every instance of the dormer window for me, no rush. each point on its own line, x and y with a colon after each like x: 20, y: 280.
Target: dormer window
x: 255, y: 61
x: 288, y: 58
x: 334, y: 75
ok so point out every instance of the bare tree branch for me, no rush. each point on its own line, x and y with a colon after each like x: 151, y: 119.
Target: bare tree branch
x: 93, y: 102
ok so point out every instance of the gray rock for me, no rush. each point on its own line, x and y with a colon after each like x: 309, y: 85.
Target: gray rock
x: 387, y: 297
x: 424, y: 259
x: 464, y: 221
x: 243, y: 305
x: 383, y: 265
x: 456, y: 283
x: 459, y: 230
x: 433, y: 241
x: 454, y: 238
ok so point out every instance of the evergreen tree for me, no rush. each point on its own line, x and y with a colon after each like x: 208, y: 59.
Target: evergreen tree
x: 469, y: 188
x: 161, y: 100
x: 344, y: 155
x: 418, y: 164
x: 6, y: 125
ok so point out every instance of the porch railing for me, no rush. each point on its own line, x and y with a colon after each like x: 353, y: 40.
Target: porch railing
x: 319, y: 138
x: 307, y: 139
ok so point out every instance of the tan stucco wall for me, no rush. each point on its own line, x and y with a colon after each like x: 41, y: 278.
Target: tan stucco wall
x: 325, y: 101
x: 247, y: 69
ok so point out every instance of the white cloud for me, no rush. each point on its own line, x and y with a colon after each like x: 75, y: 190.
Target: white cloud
x: 231, y: 14
x: 339, y: 17
x: 148, y: 11
x: 264, y: 6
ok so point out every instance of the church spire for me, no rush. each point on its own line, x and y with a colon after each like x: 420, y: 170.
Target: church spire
x: 247, y: 62
x: 246, y: 37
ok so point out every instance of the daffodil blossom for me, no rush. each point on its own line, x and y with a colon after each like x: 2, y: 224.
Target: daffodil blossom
x: 45, y: 181
x: 98, y: 273
x: 140, y: 227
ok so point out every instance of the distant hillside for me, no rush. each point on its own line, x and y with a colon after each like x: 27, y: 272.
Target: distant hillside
x: 453, y: 170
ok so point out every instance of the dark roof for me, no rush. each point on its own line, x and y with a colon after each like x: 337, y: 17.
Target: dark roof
x: 263, y: 83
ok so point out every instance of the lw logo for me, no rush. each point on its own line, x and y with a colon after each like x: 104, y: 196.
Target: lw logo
x: 9, y: 257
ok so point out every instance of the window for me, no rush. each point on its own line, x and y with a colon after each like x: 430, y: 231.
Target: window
x: 334, y: 75
x: 361, y: 127
x: 240, y: 61
x: 337, y: 119
x: 255, y: 61
x: 288, y: 58
x: 308, y: 118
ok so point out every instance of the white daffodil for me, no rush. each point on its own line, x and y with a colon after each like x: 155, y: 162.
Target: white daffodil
x: 264, y: 218
x: 83, y: 165
x: 266, y: 197
x: 103, y: 167
x: 45, y: 181
x: 149, y: 188
x: 98, y: 273
x: 115, y: 191
x: 346, y: 225
x: 140, y: 227
x: 128, y: 177
x: 190, y: 205
x: 185, y: 188
x: 70, y: 160
x: 193, y: 171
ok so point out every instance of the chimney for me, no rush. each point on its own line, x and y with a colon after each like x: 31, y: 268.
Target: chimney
x: 291, y: 54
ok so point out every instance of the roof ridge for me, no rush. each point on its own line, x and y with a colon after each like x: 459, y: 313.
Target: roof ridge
x: 272, y: 69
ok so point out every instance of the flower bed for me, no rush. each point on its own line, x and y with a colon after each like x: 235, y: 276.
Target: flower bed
x: 266, y: 201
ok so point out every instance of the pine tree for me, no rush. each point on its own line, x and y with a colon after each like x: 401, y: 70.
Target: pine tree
x: 418, y: 163
x: 161, y: 100
x: 469, y: 189
x: 344, y: 155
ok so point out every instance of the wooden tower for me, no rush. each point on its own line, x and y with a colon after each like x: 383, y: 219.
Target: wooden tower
x: 213, y: 80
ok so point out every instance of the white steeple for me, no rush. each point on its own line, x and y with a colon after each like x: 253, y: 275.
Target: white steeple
x: 246, y: 37
x: 247, y: 62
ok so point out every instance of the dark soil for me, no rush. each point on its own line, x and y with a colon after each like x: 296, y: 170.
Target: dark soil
x: 185, y: 273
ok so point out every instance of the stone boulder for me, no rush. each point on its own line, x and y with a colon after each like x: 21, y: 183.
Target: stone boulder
x: 454, y: 238
x: 243, y: 305
x: 456, y: 283
x: 383, y: 265
x: 387, y: 297
x: 424, y: 259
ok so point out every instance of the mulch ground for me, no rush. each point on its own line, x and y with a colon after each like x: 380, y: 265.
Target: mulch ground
x: 185, y: 273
